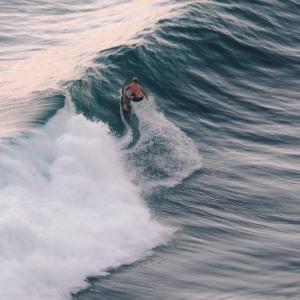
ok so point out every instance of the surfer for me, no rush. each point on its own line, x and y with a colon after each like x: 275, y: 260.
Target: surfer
x: 134, y: 92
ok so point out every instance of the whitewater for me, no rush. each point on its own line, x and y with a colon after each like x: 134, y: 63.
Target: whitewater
x: 69, y: 210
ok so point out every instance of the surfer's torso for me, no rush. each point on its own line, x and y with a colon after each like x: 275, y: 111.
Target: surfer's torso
x: 136, y: 90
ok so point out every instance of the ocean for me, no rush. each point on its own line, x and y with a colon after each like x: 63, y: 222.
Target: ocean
x: 195, y: 196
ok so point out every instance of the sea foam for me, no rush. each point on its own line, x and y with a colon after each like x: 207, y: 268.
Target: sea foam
x: 163, y: 154
x: 68, y: 210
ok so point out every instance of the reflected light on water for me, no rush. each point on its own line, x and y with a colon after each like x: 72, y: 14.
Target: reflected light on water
x: 76, y: 39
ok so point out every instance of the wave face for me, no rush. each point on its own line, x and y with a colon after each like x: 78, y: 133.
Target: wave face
x: 46, y: 43
x: 214, y: 153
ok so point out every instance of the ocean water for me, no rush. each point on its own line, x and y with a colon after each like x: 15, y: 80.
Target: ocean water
x: 196, y: 196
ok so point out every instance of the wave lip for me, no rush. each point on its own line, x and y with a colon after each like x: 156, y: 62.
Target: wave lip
x: 69, y: 210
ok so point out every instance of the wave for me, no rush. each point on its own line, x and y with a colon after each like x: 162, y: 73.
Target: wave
x: 69, y: 209
x: 158, y: 152
x: 46, y: 48
x: 71, y: 187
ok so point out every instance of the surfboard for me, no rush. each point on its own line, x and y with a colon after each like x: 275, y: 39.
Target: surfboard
x: 123, y: 99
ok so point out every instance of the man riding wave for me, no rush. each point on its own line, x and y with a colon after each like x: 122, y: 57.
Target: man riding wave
x: 134, y: 92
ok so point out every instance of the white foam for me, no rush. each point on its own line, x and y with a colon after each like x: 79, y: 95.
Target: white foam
x: 164, y: 155
x: 68, y: 210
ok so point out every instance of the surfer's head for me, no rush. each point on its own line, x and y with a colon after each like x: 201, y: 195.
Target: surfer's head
x: 135, y: 79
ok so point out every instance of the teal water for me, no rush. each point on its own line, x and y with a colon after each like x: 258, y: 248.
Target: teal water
x: 196, y: 197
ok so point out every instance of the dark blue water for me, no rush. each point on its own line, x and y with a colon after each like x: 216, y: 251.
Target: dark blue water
x: 214, y: 153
